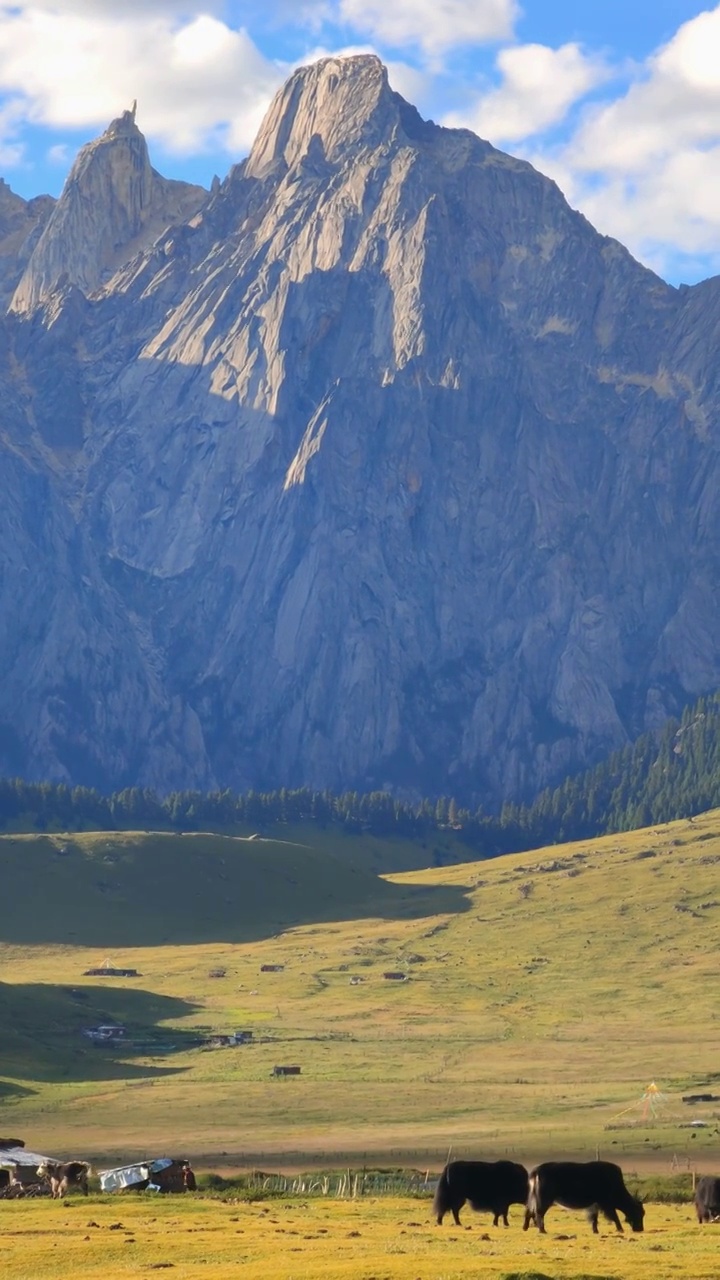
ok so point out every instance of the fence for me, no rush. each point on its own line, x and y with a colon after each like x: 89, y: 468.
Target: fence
x: 347, y: 1184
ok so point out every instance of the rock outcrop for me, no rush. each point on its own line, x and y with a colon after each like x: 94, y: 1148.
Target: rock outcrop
x: 113, y: 206
x: 381, y: 467
x: 21, y: 224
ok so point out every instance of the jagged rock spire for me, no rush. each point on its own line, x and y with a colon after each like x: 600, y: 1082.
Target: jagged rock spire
x: 336, y: 102
x: 112, y: 205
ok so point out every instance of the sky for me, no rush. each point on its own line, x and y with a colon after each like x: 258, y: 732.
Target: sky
x: 617, y: 100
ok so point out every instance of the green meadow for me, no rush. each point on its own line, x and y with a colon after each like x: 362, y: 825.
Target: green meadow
x: 542, y: 993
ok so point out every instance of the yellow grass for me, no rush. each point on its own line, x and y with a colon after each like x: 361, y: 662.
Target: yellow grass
x: 128, y: 1237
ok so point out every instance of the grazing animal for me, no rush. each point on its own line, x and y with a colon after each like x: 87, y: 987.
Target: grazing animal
x: 491, y: 1186
x: 707, y: 1199
x: 61, y: 1177
x: 594, y: 1185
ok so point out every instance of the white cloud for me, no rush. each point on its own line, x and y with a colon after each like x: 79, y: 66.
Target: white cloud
x: 197, y: 81
x: 539, y: 85
x: 433, y: 25
x: 59, y: 154
x: 646, y: 167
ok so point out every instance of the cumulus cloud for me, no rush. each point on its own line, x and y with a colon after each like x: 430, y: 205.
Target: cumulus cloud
x: 643, y: 164
x: 538, y: 87
x: 198, y: 81
x: 59, y: 154
x: 433, y: 25
x: 646, y: 167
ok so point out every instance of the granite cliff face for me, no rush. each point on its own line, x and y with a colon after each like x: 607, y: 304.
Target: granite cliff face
x: 21, y: 224
x: 379, y: 466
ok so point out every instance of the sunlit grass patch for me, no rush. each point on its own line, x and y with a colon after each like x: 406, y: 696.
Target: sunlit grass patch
x: 541, y: 994
x: 389, y: 1239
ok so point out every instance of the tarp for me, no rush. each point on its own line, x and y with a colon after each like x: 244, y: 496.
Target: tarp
x: 130, y: 1175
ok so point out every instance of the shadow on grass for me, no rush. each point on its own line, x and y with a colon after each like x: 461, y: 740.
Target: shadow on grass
x: 128, y: 889
x: 43, y: 1033
x: 12, y: 1092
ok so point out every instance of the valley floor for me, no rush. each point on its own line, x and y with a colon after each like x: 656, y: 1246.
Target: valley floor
x: 540, y: 995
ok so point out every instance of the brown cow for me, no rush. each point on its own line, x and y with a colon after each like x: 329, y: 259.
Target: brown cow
x: 61, y: 1177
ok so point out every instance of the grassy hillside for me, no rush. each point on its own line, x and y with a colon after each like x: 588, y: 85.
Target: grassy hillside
x: 121, y: 889
x: 544, y: 992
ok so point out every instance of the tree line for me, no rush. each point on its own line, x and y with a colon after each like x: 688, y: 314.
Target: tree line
x: 672, y: 773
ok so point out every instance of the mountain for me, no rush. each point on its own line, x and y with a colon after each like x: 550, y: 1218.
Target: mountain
x: 114, y: 205
x: 21, y: 224
x: 378, y: 467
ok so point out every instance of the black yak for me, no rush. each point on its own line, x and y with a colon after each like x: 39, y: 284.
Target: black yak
x: 490, y: 1186
x: 707, y: 1199
x: 595, y: 1185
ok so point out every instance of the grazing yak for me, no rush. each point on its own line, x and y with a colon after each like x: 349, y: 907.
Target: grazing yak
x: 707, y: 1199
x: 486, y: 1185
x: 61, y: 1177
x: 595, y: 1185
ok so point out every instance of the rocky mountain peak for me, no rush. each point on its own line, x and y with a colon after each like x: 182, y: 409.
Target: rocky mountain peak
x: 334, y: 104
x: 385, y: 469
x: 21, y: 222
x: 112, y: 206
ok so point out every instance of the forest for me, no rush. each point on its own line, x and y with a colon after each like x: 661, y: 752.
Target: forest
x: 672, y: 773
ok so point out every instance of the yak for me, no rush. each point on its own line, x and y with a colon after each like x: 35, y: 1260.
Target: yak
x: 594, y: 1185
x: 707, y: 1199
x: 490, y: 1186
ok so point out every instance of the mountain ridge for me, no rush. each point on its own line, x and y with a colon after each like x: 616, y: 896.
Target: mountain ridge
x: 382, y: 468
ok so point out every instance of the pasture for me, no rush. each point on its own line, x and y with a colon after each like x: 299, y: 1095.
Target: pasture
x: 542, y: 993
x: 133, y: 1238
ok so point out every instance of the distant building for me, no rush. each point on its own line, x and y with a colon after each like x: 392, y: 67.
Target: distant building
x: 107, y: 1031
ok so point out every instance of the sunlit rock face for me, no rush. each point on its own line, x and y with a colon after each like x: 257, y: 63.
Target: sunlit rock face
x: 21, y: 224
x: 375, y: 466
x: 113, y: 205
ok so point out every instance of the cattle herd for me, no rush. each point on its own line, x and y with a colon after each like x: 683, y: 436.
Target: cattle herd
x: 597, y: 1186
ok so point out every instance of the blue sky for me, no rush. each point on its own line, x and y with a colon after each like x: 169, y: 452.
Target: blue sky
x: 618, y: 100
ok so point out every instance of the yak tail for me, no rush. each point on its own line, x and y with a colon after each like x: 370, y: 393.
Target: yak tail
x: 441, y: 1199
x: 533, y: 1200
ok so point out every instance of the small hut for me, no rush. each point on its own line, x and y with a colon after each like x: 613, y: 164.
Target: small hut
x: 21, y: 1165
x: 163, y: 1174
